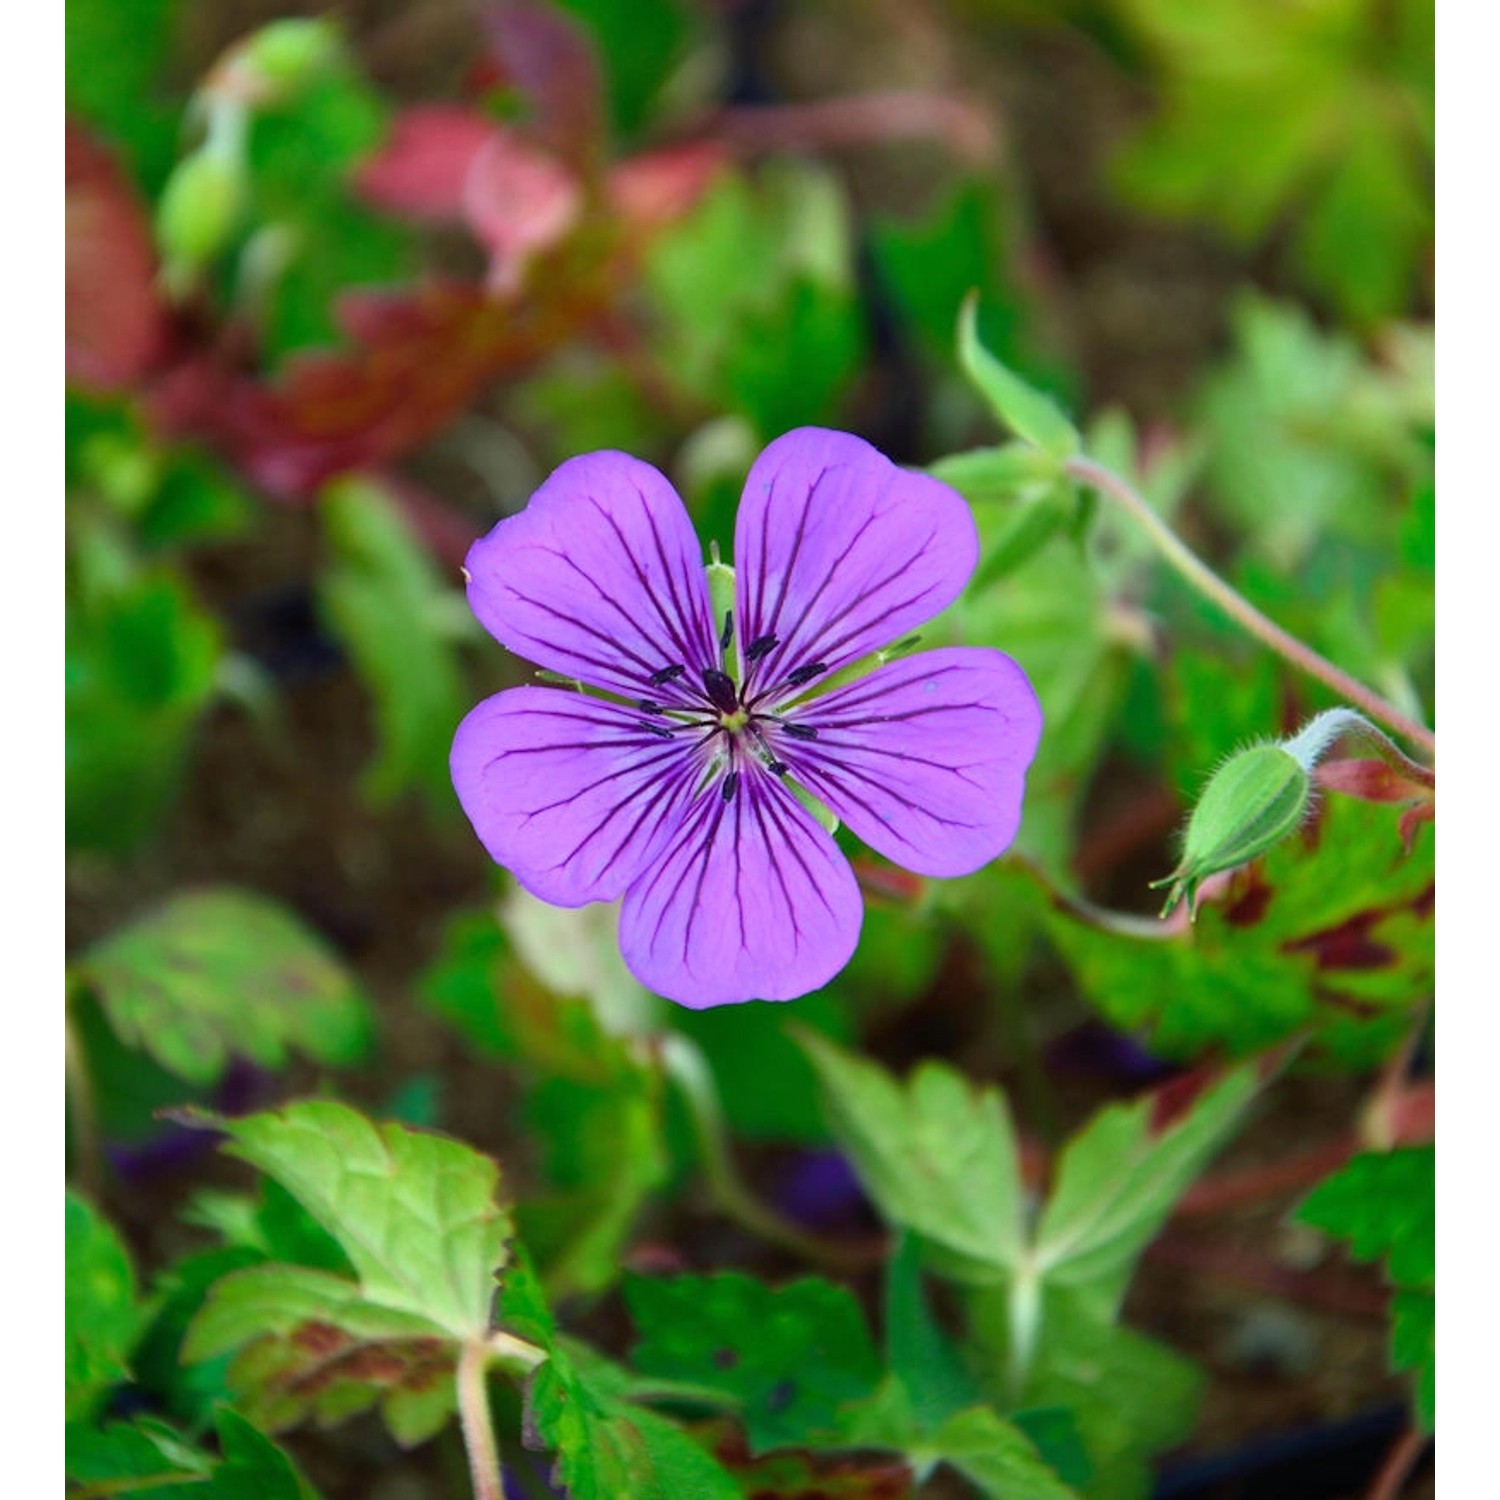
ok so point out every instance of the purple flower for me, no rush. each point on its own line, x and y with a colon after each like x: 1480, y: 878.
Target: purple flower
x: 677, y: 791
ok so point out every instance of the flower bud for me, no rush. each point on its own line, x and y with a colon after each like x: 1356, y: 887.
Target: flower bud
x: 1254, y: 800
x: 199, y: 209
x: 281, y: 59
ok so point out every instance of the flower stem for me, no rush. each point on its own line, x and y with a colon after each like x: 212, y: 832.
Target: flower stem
x: 474, y: 1417
x: 1399, y: 1463
x: 1242, y: 612
x: 80, y: 1089
x: 688, y: 1068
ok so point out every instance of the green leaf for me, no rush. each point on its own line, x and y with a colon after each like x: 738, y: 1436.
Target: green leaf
x: 755, y: 281
x: 147, y: 1460
x: 640, y: 46
x: 219, y: 972
x: 187, y: 1393
x: 254, y: 1468
x: 921, y: 1355
x: 103, y: 1317
x: 1031, y: 415
x: 464, y: 983
x: 938, y: 1156
x: 1308, y: 440
x: 1126, y: 1397
x: 578, y: 1405
x: 301, y: 154
x: 1131, y: 1397
x: 1118, y: 1179
x: 144, y: 1459
x: 388, y: 604
x: 415, y: 1213
x: 605, y: 1156
x: 313, y: 1346
x: 792, y: 1355
x: 1384, y: 1205
x: 995, y: 1454
x: 607, y: 1448
x: 1323, y: 112
x: 928, y: 265
x: 417, y: 1217
x: 140, y: 670
x: 116, y: 50
x: 1337, y: 937
x: 743, y: 1051
x: 1413, y: 1348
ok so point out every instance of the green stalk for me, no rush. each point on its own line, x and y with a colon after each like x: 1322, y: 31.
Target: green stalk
x: 1239, y: 609
x: 475, y: 1419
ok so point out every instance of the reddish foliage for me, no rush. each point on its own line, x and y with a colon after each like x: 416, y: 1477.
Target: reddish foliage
x: 542, y: 53
x: 1174, y: 1100
x: 423, y: 166
x: 1374, y: 781
x: 337, y: 1356
x: 418, y: 358
x: 1347, y: 945
x: 652, y: 190
x: 117, y: 330
x: 798, y: 1474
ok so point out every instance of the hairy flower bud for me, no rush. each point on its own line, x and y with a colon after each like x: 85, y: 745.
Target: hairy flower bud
x: 1254, y: 800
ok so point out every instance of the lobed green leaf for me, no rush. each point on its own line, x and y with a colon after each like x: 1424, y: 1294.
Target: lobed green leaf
x: 791, y: 1356
x: 218, y: 972
x: 938, y: 1156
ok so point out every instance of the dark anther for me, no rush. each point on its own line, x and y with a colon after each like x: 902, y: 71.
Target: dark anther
x: 777, y: 767
x: 667, y: 674
x: 806, y: 673
x: 646, y: 706
x: 720, y: 689
x: 731, y: 781
x: 799, y: 731
x: 727, y: 633
x: 659, y: 730
x: 760, y: 646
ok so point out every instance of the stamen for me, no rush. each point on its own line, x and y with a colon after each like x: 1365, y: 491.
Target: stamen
x: 659, y: 730
x: 721, y: 690
x: 761, y: 646
x: 806, y: 673
x: 726, y: 635
x: 777, y: 767
x: 646, y: 706
x: 798, y: 731
x: 731, y: 782
x: 667, y: 674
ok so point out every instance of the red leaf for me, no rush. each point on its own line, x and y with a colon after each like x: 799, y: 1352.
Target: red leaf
x: 546, y: 56
x: 419, y: 356
x: 422, y: 169
x: 116, y: 328
x: 518, y: 200
x: 654, y: 189
x: 1372, y: 781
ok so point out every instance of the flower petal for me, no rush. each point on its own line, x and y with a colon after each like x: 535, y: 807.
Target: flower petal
x: 751, y: 900
x: 601, y: 577
x: 925, y: 758
x: 838, y: 552
x: 572, y: 794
